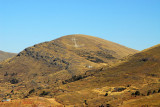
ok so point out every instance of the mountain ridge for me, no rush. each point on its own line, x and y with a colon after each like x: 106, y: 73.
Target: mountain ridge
x: 57, y: 62
x: 6, y: 55
x: 79, y: 70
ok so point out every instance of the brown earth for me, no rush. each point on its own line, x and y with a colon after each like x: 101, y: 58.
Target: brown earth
x: 6, y: 55
x: 133, y: 83
x: 74, y: 69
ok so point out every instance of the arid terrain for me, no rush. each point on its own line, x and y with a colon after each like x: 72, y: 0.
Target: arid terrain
x: 6, y: 55
x: 81, y: 70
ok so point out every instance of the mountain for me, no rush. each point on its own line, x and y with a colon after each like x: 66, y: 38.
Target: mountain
x: 6, y: 55
x: 50, y: 64
x: 135, y: 82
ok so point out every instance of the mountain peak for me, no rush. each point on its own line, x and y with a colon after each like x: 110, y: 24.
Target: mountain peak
x: 62, y: 59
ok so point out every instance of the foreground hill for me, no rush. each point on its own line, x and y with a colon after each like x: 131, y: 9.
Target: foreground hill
x: 55, y: 61
x: 135, y: 82
x: 6, y: 55
x: 132, y: 83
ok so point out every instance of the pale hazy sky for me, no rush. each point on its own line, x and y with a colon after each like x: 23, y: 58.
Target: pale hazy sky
x: 132, y: 23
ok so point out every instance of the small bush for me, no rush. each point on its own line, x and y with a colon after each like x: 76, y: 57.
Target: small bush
x: 85, y: 102
x: 159, y: 91
x: 13, y: 74
x: 44, y: 93
x: 31, y: 91
x: 118, y: 89
x: 153, y: 92
x: 6, y: 74
x: 142, y: 94
x: 39, y: 88
x: 12, y: 91
x: 14, y: 81
x: 149, y: 92
x: 137, y: 93
x: 63, y: 82
x: 74, y: 78
x: 106, y: 94
x: 133, y: 94
x: 108, y: 105
x: 25, y: 96
x: 143, y: 59
x: 101, y: 105
x: 128, y: 85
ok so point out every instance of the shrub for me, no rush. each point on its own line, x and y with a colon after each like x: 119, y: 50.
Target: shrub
x: 31, y: 91
x: 44, y: 93
x: 12, y: 91
x: 101, y: 105
x: 143, y: 59
x: 14, y: 81
x: 137, y: 93
x: 108, y: 105
x: 159, y: 91
x: 133, y: 94
x: 25, y: 96
x: 63, y: 82
x: 106, y: 94
x: 13, y: 74
x: 149, y: 92
x: 85, y: 101
x: 6, y: 74
x: 128, y: 85
x: 120, y: 89
x: 153, y: 92
x: 74, y: 78
x: 142, y: 94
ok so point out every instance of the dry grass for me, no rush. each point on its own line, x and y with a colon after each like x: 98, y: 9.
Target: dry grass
x: 6, y: 55
x: 140, y: 72
x: 47, y: 64
x: 32, y: 102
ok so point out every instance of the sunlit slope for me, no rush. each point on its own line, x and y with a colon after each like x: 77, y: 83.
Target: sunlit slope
x: 70, y: 55
x: 51, y: 64
x: 6, y: 55
x: 140, y: 72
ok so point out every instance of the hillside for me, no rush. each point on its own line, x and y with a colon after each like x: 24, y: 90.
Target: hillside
x: 57, y: 62
x: 135, y: 82
x: 6, y: 55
